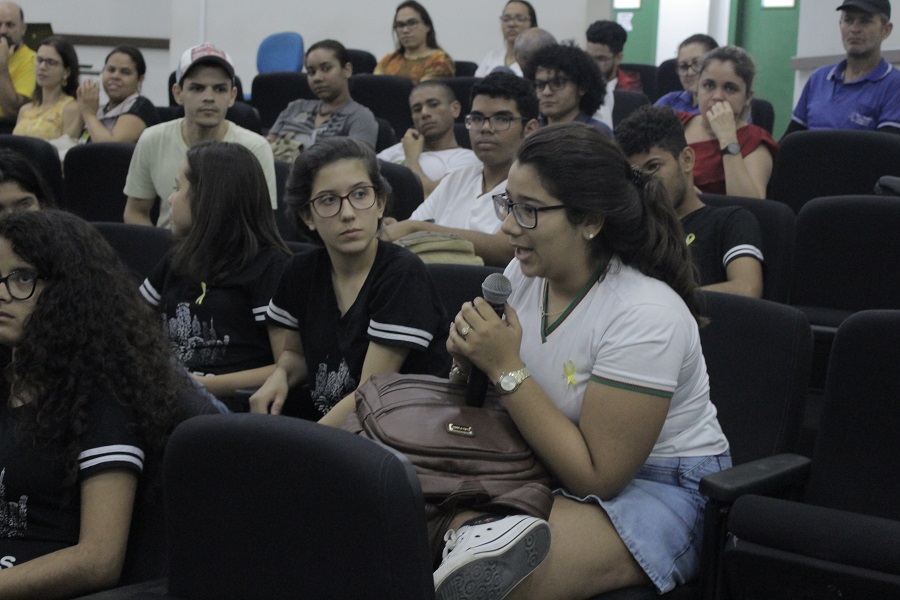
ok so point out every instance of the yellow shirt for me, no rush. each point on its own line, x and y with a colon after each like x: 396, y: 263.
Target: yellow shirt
x: 21, y: 71
x: 45, y: 123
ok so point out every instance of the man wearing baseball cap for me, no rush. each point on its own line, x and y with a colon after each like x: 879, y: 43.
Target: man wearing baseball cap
x: 204, y: 86
x: 863, y: 90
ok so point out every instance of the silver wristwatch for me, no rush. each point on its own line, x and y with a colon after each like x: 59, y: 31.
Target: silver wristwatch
x: 510, y: 382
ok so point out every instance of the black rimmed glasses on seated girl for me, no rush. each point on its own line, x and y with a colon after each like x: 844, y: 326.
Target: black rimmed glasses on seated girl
x: 21, y: 283
x: 329, y: 204
x: 524, y: 214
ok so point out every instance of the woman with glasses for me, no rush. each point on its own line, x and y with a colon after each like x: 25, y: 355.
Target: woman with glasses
x: 732, y: 156
x: 690, y: 53
x: 518, y: 15
x: 598, y: 362
x: 418, y: 55
x: 357, y: 305
x: 89, y: 399
x: 52, y: 110
x: 212, y: 290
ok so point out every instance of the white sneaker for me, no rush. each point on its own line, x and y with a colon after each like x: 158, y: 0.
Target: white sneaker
x: 489, y: 560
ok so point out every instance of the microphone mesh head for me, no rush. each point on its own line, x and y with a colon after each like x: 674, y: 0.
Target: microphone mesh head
x: 496, y: 288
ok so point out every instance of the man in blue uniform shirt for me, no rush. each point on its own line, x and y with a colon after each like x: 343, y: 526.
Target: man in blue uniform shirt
x: 863, y: 90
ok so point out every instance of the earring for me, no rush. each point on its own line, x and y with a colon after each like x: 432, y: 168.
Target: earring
x: 591, y: 236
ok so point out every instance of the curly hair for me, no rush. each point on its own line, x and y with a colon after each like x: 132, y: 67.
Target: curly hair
x: 231, y: 213
x: 578, y: 66
x: 66, y: 51
x: 589, y: 173
x: 298, y: 188
x: 509, y: 87
x: 651, y: 126
x: 90, y: 335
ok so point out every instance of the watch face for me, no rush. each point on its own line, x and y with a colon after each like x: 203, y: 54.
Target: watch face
x: 733, y: 148
x: 508, y: 382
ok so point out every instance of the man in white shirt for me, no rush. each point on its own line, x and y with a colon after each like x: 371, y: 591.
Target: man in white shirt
x: 504, y: 111
x: 430, y: 149
x: 205, y: 87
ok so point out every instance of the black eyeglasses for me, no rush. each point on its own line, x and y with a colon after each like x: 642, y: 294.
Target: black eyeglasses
x: 328, y: 205
x: 398, y: 25
x: 694, y: 65
x: 524, y: 214
x: 516, y: 18
x: 21, y: 284
x: 498, y: 121
x: 555, y: 84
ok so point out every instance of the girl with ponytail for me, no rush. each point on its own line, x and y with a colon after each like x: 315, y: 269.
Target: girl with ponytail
x: 598, y: 362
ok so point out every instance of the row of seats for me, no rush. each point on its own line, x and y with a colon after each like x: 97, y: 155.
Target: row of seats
x: 758, y: 357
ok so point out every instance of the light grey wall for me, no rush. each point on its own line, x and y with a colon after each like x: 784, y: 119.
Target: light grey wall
x: 133, y: 18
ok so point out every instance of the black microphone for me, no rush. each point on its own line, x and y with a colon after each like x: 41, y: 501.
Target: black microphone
x: 495, y: 289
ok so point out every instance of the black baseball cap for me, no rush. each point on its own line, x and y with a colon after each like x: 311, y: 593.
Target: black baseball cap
x: 874, y: 7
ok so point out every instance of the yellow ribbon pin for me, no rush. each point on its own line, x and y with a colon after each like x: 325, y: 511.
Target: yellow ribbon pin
x: 203, y: 295
x: 690, y: 238
x: 569, y: 370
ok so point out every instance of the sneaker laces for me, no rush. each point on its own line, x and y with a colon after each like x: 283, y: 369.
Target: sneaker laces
x: 452, y: 539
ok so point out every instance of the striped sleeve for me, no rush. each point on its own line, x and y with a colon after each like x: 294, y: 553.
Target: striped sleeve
x: 150, y: 294
x: 281, y: 317
x: 399, y: 335
x: 742, y: 250
x: 111, y: 457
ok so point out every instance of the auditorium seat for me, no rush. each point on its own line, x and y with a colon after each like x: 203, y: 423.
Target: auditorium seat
x: 462, y: 88
x: 280, y: 52
x: 811, y: 164
x: 836, y: 537
x: 363, y: 61
x: 667, y: 79
x: 648, y: 75
x: 272, y: 92
x: 465, y: 68
x: 406, y: 190
x: 387, y: 96
x: 626, y: 103
x: 95, y: 180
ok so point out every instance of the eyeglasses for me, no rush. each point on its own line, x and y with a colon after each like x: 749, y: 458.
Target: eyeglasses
x: 555, y: 84
x: 21, y: 284
x: 499, y: 121
x: 524, y: 214
x: 50, y: 62
x: 516, y: 18
x: 398, y: 25
x: 694, y: 65
x: 329, y: 205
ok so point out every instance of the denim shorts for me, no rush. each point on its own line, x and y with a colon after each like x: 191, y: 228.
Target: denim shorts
x: 659, y: 516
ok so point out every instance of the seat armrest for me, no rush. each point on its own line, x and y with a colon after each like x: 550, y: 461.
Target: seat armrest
x: 764, y: 476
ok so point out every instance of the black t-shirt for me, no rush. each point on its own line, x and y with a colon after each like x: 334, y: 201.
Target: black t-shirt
x: 718, y: 235
x: 222, y: 328
x: 398, y: 305
x: 39, y: 513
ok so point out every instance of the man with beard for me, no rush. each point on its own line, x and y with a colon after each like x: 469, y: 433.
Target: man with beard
x: 16, y: 61
x: 863, y: 90
x: 725, y: 242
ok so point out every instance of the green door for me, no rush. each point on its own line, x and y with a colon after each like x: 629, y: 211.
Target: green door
x: 641, y: 45
x: 770, y: 36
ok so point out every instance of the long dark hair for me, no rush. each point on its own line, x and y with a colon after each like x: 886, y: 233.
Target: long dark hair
x: 90, y: 335
x: 66, y: 51
x: 231, y: 213
x: 298, y: 189
x: 15, y: 168
x: 431, y: 36
x: 593, y: 178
